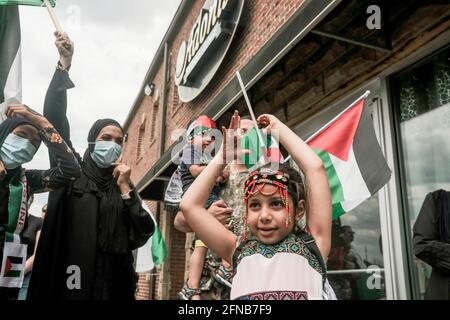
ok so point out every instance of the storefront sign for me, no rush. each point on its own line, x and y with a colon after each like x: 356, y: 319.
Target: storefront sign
x: 201, y: 54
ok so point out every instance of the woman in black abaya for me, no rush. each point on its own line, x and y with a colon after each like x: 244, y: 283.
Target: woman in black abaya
x: 92, y: 226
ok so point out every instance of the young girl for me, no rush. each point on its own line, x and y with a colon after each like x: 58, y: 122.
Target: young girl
x: 271, y: 262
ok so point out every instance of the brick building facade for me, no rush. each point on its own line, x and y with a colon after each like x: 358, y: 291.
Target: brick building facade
x: 302, y: 61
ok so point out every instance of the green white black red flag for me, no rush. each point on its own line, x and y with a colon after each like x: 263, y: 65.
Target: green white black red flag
x: 352, y: 157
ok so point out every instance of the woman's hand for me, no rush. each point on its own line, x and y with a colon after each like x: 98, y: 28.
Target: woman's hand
x: 225, y: 175
x: 221, y: 212
x: 15, y: 110
x: 122, y: 173
x: 65, y: 48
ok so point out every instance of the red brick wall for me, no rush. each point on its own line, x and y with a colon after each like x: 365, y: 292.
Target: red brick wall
x: 150, y: 150
x: 143, y: 288
x: 263, y: 18
x: 177, y: 262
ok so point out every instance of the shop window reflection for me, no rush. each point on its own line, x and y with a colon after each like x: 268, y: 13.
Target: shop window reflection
x: 355, y: 264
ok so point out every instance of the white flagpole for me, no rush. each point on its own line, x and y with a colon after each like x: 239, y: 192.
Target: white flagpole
x: 250, y: 109
x: 365, y: 95
x: 53, y: 16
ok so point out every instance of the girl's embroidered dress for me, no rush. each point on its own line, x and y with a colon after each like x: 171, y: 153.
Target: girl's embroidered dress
x: 283, y: 271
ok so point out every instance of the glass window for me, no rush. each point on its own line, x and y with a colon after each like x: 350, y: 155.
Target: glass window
x: 355, y: 264
x: 421, y: 95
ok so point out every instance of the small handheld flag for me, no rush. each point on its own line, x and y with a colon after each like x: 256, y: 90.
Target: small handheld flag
x: 154, y: 252
x: 259, y: 155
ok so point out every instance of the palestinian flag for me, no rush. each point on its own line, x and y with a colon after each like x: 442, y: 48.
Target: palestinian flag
x: 260, y: 155
x: 200, y: 125
x: 10, y: 58
x: 352, y: 157
x: 158, y: 248
x: 154, y: 252
x: 13, y: 267
x: 38, y: 3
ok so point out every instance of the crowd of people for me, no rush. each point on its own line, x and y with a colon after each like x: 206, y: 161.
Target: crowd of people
x: 263, y: 233
x: 94, y: 219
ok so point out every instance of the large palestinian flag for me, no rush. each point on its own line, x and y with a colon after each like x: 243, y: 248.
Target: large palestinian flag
x: 352, y: 157
x: 10, y: 58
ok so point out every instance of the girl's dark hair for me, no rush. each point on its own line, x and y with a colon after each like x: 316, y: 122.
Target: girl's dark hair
x: 296, y: 184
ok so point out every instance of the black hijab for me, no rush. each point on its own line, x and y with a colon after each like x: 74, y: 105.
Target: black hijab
x: 8, y: 126
x: 112, y: 232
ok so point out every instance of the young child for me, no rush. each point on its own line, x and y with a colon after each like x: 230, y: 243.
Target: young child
x: 272, y: 261
x: 196, y: 155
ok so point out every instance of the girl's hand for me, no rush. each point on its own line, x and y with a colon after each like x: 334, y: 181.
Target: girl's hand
x: 15, y: 110
x: 231, y: 141
x: 268, y: 122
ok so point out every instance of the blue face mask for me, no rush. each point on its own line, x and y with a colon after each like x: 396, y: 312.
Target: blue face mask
x: 106, y: 153
x: 16, y: 151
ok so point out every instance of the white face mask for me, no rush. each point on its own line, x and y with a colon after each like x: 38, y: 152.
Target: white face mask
x: 106, y: 153
x: 16, y: 151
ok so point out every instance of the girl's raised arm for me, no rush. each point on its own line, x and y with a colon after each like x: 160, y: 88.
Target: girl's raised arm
x: 319, y: 209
